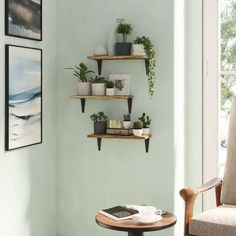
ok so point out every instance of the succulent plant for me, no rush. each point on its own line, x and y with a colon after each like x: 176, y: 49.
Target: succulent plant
x: 98, y: 79
x: 138, y: 125
x: 99, y: 117
x: 126, y: 117
x: 145, y: 120
x: 110, y: 84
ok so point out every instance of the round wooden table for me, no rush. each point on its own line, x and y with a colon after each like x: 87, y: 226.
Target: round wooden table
x: 134, y: 228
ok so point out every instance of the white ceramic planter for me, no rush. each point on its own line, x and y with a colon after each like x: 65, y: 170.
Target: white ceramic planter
x: 138, y: 49
x: 83, y: 88
x: 127, y: 124
x: 98, y: 89
x: 110, y: 91
x: 138, y: 132
x: 146, y: 131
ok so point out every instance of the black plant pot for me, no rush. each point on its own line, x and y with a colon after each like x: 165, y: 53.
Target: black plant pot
x: 123, y: 49
x: 100, y: 127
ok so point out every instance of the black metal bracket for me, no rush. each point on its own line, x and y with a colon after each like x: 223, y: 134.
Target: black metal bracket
x: 82, y: 100
x: 130, y: 100
x: 99, y: 62
x: 147, y: 145
x: 99, y: 142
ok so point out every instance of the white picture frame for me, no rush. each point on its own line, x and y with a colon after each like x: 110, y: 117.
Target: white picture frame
x: 122, y: 83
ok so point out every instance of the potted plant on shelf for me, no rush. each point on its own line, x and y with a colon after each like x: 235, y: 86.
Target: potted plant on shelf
x: 127, y: 121
x: 138, y: 128
x: 150, y: 62
x: 123, y: 48
x: 100, y: 122
x: 110, y: 90
x: 81, y: 73
x: 146, y: 123
x: 98, y: 86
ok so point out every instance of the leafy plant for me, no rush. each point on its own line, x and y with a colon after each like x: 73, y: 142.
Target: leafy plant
x: 124, y: 28
x: 110, y: 84
x: 81, y: 72
x: 145, y: 120
x: 150, y: 62
x: 98, y: 80
x: 126, y: 117
x: 138, y: 125
x: 98, y: 117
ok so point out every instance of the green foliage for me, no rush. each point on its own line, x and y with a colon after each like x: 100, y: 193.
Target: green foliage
x: 98, y: 80
x: 228, y: 51
x: 110, y: 84
x: 81, y: 72
x: 98, y: 117
x: 145, y: 120
x: 127, y: 117
x: 124, y: 28
x: 138, y: 125
x: 150, y: 62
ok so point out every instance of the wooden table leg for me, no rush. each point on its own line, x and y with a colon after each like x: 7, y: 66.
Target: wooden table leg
x: 135, y: 234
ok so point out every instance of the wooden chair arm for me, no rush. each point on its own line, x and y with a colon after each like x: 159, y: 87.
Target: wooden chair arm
x: 189, y: 195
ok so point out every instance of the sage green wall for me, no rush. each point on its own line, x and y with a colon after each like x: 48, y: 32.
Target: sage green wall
x: 27, y: 175
x: 122, y: 173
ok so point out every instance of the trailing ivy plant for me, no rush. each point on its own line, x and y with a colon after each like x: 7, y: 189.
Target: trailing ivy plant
x: 150, y: 62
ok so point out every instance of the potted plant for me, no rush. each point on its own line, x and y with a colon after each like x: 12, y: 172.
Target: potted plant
x: 138, y: 128
x: 150, y: 63
x: 123, y: 48
x: 146, y: 123
x: 98, y: 86
x: 100, y: 122
x: 81, y: 73
x: 110, y: 90
x: 127, y: 121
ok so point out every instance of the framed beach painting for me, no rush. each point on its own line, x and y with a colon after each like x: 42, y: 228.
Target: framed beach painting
x: 23, y: 97
x: 23, y: 18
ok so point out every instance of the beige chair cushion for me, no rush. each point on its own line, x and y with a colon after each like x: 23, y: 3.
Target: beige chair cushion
x: 220, y: 221
x: 229, y: 182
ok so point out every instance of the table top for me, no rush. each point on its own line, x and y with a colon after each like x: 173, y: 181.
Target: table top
x: 167, y: 220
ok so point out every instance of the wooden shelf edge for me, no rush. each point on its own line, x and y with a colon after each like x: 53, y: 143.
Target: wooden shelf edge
x: 103, y: 97
x: 131, y: 57
x: 117, y: 136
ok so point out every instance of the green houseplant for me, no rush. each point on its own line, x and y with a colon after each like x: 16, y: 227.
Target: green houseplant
x: 123, y: 48
x: 145, y: 119
x: 127, y: 121
x: 98, y: 86
x: 100, y: 122
x: 138, y: 128
x: 81, y: 73
x: 150, y: 62
x: 110, y: 90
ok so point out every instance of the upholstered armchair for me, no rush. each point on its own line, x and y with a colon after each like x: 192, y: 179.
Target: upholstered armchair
x: 221, y: 220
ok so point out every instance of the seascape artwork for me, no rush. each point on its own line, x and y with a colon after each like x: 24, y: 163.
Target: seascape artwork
x: 24, y: 18
x: 23, y: 97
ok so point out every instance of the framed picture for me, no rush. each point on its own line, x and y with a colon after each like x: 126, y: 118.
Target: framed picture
x: 23, y: 19
x: 122, y: 83
x: 23, y: 121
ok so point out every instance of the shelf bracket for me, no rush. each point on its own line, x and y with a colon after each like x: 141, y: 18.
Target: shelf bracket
x: 130, y: 100
x: 99, y: 142
x: 82, y: 100
x: 147, y: 145
x: 147, y: 66
x: 99, y: 62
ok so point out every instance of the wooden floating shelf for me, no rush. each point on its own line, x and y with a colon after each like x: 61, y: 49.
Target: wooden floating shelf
x: 99, y: 60
x: 129, y: 99
x: 99, y: 138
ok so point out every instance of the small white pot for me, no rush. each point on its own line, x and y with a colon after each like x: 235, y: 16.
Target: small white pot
x: 138, y: 49
x: 138, y: 132
x: 110, y: 91
x: 126, y: 124
x: 98, y: 89
x: 83, y: 88
x: 146, y: 131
